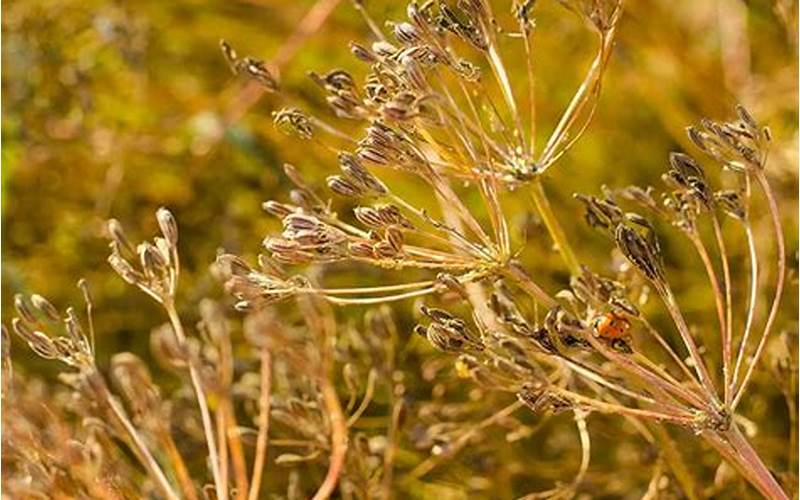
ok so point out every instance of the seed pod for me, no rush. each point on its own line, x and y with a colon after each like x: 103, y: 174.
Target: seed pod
x: 384, y: 49
x: 280, y: 245
x: 444, y: 338
x: 234, y: 265
x: 731, y: 203
x: 451, y: 283
x: 118, y: 236
x: 293, y: 121
x: 23, y: 309
x: 344, y: 187
x: 132, y: 378
x: 43, y: 346
x: 361, y: 249
x: 277, y: 209
x: 372, y: 155
x: 21, y: 329
x: 84, y: 288
x: 257, y: 70
x: 352, y: 168
x: 407, y: 34
x: 168, y: 225
x: 301, y: 222
x: 369, y: 217
x: 602, y: 214
x: 153, y: 261
x: 412, y: 70
x: 438, y: 315
x: 394, y: 236
x: 384, y: 250
x: 747, y: 119
x: 641, y: 252
x: 362, y: 53
x: 230, y: 55
x: 698, y: 138
x: 123, y: 268
x: 390, y: 214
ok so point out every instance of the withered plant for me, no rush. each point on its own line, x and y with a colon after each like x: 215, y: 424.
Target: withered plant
x: 438, y: 106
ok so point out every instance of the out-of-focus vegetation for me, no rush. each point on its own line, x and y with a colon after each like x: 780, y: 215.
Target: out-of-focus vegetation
x: 112, y: 109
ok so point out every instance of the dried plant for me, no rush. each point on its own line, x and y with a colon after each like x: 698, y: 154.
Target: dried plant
x: 329, y: 395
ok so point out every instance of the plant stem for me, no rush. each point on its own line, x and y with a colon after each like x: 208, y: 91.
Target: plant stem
x: 200, y: 394
x: 715, y: 286
x: 141, y: 448
x: 688, y: 340
x: 515, y: 272
x: 733, y: 446
x: 263, y: 423
x: 553, y: 227
x: 776, y: 301
x: 751, y: 305
x: 728, y: 332
x: 179, y: 466
x: 338, y: 439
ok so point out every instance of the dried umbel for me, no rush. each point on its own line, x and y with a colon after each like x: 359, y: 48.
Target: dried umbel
x: 52, y: 335
x: 152, y: 267
x: 594, y: 329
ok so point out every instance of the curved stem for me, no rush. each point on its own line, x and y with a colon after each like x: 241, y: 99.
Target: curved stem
x: 338, y: 439
x: 776, y: 301
x: 371, y: 379
x: 712, y: 278
x: 179, y: 466
x: 515, y: 272
x: 200, y: 394
x: 727, y: 333
x: 147, y: 458
x: 751, y: 305
x: 688, y: 340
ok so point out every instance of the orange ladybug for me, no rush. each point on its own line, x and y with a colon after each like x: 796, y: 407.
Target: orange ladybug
x: 612, y: 326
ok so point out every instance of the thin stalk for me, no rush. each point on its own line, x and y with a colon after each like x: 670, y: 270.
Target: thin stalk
x: 664, y: 344
x: 586, y: 447
x: 391, y: 448
x: 712, y: 278
x: 738, y: 452
x: 371, y: 379
x: 590, y: 83
x: 526, y: 37
x: 553, y: 227
x: 263, y: 424
x: 179, y: 466
x: 220, y: 418
x: 776, y: 301
x: 338, y: 439
x: 144, y: 452
x: 500, y: 74
x: 751, y: 304
x: 515, y: 272
x: 727, y: 358
x: 645, y: 375
x: 200, y: 395
x: 615, y: 409
x: 688, y: 340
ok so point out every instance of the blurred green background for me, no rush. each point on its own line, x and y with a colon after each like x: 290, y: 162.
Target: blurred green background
x: 112, y: 109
